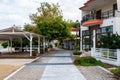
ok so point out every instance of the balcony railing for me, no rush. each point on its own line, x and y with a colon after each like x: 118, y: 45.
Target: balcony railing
x: 104, y: 15
x: 107, y: 14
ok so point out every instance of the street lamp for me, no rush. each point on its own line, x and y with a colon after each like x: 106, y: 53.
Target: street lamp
x: 77, y: 25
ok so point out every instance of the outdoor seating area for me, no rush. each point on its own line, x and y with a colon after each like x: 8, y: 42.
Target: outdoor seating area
x: 28, y: 51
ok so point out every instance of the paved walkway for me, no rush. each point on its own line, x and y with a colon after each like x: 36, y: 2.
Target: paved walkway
x: 95, y: 73
x: 54, y: 66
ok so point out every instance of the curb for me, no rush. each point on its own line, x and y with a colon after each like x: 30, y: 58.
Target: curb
x: 13, y: 73
x: 105, y: 70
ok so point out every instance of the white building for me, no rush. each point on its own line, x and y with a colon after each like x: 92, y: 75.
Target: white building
x: 97, y: 15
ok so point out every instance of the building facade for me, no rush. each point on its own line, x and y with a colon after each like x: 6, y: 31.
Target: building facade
x: 72, y: 44
x: 97, y: 16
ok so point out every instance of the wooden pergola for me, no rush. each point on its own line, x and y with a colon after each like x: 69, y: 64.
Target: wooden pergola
x: 11, y: 33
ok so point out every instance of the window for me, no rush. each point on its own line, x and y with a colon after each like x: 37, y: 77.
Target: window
x: 110, y: 28
x: 103, y: 30
x: 98, y: 31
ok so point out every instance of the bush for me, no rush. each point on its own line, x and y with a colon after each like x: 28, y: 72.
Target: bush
x: 116, y: 72
x: 77, y: 53
x: 4, y: 44
x: 50, y: 46
x: 87, y: 61
x: 34, y: 52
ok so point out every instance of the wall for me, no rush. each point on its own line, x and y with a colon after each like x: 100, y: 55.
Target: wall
x: 104, y: 8
x: 118, y: 2
x: 98, y: 56
x: 107, y: 7
x: 117, y: 26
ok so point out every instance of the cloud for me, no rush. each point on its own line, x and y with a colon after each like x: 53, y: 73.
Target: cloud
x: 17, y: 11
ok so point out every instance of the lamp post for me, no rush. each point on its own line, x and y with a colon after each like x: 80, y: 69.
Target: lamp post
x: 77, y: 24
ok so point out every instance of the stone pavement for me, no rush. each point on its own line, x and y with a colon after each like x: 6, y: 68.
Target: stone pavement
x: 95, y: 73
x: 57, y: 65
x: 54, y: 66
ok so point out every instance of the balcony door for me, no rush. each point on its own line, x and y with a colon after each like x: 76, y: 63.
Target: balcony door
x: 98, y: 14
x: 114, y: 9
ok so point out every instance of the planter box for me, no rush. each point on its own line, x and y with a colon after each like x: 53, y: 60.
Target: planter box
x: 76, y: 56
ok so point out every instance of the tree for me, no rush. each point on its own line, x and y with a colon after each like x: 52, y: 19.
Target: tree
x: 50, y: 23
x: 47, y: 13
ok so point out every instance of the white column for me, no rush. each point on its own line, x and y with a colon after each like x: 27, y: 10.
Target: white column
x: 43, y: 44
x: 118, y: 57
x: 94, y: 40
x: 118, y: 4
x: 21, y: 44
x: 8, y: 46
x: 38, y: 44
x: 11, y: 45
x: 31, y: 37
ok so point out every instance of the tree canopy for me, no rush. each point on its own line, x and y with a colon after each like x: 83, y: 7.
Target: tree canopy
x: 49, y: 22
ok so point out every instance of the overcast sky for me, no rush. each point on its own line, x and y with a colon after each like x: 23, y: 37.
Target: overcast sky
x: 17, y: 11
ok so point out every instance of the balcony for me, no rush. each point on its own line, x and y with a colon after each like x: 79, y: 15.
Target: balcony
x: 92, y: 19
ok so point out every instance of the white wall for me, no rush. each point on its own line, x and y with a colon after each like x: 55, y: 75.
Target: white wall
x: 117, y: 25
x: 74, y: 32
x: 107, y: 7
x: 118, y: 3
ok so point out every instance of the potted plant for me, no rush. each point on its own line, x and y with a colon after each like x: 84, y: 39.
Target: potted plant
x: 77, y: 54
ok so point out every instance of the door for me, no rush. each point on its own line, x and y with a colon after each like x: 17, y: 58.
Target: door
x: 98, y: 14
x: 114, y: 9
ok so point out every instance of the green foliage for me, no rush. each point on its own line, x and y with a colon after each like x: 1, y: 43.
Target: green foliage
x: 56, y: 44
x: 31, y: 28
x: 34, y: 52
x: 110, y: 40
x: 50, y: 46
x: 47, y: 13
x: 17, y: 43
x: 4, y: 44
x: 49, y: 22
x: 77, y: 24
x: 116, y: 72
x: 77, y: 53
x: 87, y: 61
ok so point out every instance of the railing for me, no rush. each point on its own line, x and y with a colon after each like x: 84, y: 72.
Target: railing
x: 107, y: 14
x: 104, y: 15
x: 106, y: 53
x: 110, y: 56
x: 86, y: 18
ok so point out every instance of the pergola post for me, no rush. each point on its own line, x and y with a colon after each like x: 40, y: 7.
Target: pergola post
x: 44, y: 44
x: 11, y: 45
x: 94, y: 39
x: 8, y: 45
x: 21, y: 44
x: 31, y: 38
x: 38, y: 44
x: 47, y: 43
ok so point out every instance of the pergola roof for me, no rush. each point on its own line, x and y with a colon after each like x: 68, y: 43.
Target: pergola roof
x: 15, y: 32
